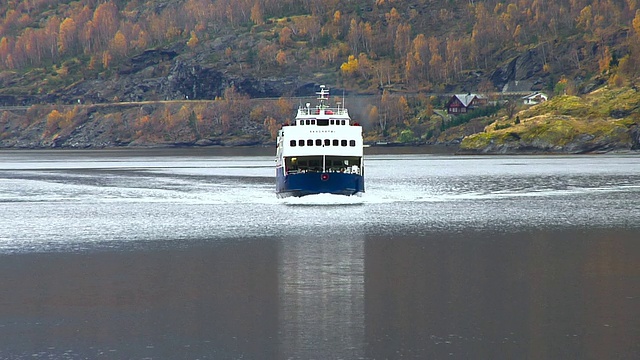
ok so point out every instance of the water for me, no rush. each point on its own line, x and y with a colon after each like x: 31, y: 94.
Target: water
x: 189, y: 254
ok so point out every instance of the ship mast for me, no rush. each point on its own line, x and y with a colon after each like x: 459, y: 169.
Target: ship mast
x: 322, y: 97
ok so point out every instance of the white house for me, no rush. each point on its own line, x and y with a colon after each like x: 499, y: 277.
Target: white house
x: 535, y: 98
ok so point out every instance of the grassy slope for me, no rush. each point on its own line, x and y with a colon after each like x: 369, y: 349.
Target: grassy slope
x: 599, y: 121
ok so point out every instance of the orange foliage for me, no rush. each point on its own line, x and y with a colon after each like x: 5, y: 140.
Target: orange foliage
x: 58, y: 121
x: 391, y: 34
x: 285, y: 36
x: 67, y: 36
x: 281, y: 58
x: 193, y: 40
x: 257, y: 13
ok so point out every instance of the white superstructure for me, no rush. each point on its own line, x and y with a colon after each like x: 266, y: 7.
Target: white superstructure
x: 322, y: 139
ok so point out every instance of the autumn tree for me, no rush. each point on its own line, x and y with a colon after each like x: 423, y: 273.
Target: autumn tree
x: 272, y: 126
x: 629, y: 65
x: 106, y: 59
x: 281, y: 58
x: 119, y: 45
x: 285, y: 36
x: 5, y: 53
x: 105, y: 23
x: 257, y: 13
x: 403, y: 40
x: 193, y: 40
x: 436, y: 63
x: 350, y: 67
x: 482, y: 36
x: 384, y: 111
x: 67, y: 36
x: 373, y: 114
x: 53, y: 124
x: 354, y: 36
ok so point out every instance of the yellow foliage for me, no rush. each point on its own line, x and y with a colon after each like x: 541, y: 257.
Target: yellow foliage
x: 585, y: 18
x: 119, y: 44
x: 193, y: 40
x: 62, y: 71
x: 53, y: 119
x: 350, y: 66
x: 93, y: 61
x: 337, y: 16
x: 636, y: 22
x: 57, y: 120
x: 605, y: 60
x: 393, y: 16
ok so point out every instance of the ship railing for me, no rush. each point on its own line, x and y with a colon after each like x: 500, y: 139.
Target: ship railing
x: 323, y: 111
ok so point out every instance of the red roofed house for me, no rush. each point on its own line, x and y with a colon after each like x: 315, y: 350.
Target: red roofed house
x: 463, y: 103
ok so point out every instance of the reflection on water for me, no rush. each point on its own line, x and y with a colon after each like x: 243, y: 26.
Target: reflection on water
x: 322, y: 297
x: 492, y: 295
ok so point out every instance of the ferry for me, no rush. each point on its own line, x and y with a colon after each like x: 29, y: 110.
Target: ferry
x: 321, y: 152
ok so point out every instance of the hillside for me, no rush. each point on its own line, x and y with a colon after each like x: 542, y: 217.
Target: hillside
x: 604, y: 120
x: 188, y: 64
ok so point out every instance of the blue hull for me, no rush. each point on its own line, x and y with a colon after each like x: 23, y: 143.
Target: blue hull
x: 318, y: 183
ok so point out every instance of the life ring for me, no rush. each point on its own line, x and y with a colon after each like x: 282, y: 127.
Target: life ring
x: 324, y: 177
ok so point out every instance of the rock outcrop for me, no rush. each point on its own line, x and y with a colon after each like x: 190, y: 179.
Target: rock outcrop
x: 526, y: 66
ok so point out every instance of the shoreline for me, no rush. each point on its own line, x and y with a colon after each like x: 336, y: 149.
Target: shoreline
x: 369, y: 150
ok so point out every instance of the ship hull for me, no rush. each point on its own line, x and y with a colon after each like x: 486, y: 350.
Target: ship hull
x: 312, y: 183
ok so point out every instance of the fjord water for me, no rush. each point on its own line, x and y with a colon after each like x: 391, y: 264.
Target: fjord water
x: 189, y: 254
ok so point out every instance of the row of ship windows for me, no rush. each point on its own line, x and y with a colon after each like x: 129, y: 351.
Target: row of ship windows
x: 319, y: 142
x: 322, y: 122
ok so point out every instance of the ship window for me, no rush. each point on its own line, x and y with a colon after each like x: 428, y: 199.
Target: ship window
x: 335, y: 142
x: 343, y: 142
x: 301, y: 142
x: 333, y: 122
x: 301, y: 122
x: 341, y: 122
x: 313, y: 121
x: 323, y: 122
x: 292, y: 143
x: 352, y: 143
x: 327, y: 142
x: 318, y: 142
x: 307, y: 122
x: 309, y: 142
